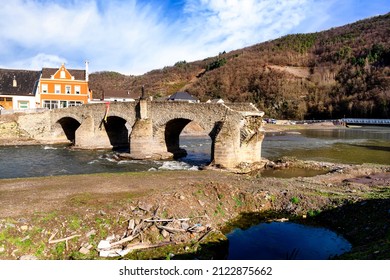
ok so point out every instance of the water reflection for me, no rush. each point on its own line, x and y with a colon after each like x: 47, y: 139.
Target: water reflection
x: 282, y: 241
x: 363, y: 145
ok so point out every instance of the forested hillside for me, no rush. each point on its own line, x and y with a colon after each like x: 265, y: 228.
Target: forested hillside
x: 344, y: 71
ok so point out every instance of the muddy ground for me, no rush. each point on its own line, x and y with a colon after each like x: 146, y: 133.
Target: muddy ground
x: 67, y: 217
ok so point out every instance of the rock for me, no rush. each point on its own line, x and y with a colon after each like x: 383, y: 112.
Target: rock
x: 201, y: 203
x: 22, y: 220
x: 124, y: 252
x: 24, y: 227
x: 101, y: 212
x: 185, y: 225
x: 84, y: 251
x: 144, y: 206
x: 165, y: 233
x: 104, y: 244
x: 90, y: 233
x: 110, y: 238
x: 182, y: 197
x: 2, y: 249
x: 110, y: 253
x: 28, y: 258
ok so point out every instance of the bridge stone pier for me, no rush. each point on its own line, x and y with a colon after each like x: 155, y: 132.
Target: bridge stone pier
x: 151, y: 130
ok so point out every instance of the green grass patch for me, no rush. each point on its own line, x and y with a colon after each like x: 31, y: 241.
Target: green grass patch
x: 46, y: 217
x: 294, y: 200
x: 379, y: 193
x: 219, y: 210
x: 75, y: 223
x: 238, y: 201
x: 81, y: 199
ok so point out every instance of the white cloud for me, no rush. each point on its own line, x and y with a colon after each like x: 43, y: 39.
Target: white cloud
x: 133, y: 37
x: 36, y: 62
x: 250, y: 21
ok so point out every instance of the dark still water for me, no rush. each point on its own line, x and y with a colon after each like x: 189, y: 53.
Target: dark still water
x: 364, y: 145
x: 285, y: 241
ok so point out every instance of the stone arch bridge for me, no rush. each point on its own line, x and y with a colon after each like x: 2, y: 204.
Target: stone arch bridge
x: 152, y: 129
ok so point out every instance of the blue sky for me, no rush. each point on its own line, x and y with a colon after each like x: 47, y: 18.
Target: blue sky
x: 136, y: 36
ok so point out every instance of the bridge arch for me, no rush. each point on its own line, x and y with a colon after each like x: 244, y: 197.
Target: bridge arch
x: 66, y: 126
x: 169, y: 133
x: 117, y: 129
x: 172, y: 131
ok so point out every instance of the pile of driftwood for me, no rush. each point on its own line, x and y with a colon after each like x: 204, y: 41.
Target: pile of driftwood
x: 173, y: 231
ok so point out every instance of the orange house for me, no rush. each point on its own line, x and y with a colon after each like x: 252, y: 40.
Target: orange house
x: 61, y: 88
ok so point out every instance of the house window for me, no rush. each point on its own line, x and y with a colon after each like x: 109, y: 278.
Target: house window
x: 63, y: 104
x: 68, y: 89
x: 23, y: 104
x: 57, y: 89
x: 75, y: 103
x: 50, y: 104
x: 44, y: 88
x: 62, y: 74
x: 77, y: 89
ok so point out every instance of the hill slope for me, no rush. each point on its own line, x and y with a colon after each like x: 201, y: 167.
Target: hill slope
x: 344, y: 71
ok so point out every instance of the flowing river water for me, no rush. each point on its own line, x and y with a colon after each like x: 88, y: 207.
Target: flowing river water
x: 358, y: 145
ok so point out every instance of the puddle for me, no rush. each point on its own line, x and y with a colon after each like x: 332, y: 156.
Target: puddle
x: 284, y: 241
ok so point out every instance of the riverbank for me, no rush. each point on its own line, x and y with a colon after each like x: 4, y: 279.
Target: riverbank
x: 67, y: 217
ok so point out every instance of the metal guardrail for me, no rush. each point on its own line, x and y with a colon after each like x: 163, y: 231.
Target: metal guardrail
x: 366, y: 121
x: 348, y: 121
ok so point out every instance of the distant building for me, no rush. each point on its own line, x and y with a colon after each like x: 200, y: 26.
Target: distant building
x: 183, y: 97
x: 218, y: 100
x: 62, y: 87
x: 113, y: 95
x: 17, y: 89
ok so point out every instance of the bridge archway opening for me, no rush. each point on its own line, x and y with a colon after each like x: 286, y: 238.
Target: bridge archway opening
x: 69, y: 126
x: 188, y: 141
x: 117, y: 132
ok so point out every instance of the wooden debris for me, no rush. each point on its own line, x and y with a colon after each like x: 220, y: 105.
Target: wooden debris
x: 165, y: 220
x: 124, y: 240
x: 140, y: 245
x: 51, y: 241
x: 131, y: 224
x: 137, y: 230
x: 64, y: 239
x: 171, y: 229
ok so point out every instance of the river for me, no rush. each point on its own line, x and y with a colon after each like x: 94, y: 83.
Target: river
x: 343, y: 145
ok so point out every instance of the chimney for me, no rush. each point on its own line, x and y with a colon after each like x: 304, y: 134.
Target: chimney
x: 86, y: 70
x: 14, y: 82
